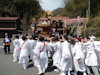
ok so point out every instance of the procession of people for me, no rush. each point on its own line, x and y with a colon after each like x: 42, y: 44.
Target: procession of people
x: 70, y: 55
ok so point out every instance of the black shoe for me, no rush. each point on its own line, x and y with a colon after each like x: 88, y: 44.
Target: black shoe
x: 41, y: 74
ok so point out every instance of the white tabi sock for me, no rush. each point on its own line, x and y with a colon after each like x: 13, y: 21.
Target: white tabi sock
x: 25, y: 66
x: 15, y: 58
x: 74, y: 73
x: 69, y: 73
x: 84, y: 73
x: 63, y: 73
x: 39, y: 68
x: 44, y: 70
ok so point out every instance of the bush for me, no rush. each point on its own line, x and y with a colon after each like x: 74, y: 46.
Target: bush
x: 98, y: 32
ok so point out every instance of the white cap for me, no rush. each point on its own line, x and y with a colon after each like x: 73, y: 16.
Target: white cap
x: 6, y: 34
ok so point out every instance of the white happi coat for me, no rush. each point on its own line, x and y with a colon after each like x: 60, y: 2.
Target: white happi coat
x: 57, y: 54
x: 42, y: 56
x: 16, y: 49
x: 91, y: 58
x: 20, y: 41
x: 97, y: 46
x: 32, y: 47
x: 92, y: 38
x: 78, y: 53
x: 24, y: 52
x: 66, y: 64
x: 50, y: 53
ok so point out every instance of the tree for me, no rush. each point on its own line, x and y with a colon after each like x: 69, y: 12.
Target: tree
x: 75, y: 8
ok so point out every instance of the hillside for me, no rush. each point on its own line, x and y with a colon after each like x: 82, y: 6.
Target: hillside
x: 57, y: 11
x: 93, y: 27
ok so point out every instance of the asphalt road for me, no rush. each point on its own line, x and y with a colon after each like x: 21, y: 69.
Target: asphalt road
x: 7, y: 67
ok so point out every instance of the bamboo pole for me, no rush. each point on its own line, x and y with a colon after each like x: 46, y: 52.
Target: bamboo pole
x: 63, y: 28
x: 84, y: 29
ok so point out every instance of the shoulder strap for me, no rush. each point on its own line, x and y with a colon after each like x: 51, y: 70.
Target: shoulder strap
x: 22, y: 45
x: 43, y: 47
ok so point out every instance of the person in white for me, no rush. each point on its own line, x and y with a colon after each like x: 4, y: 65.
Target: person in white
x: 16, y: 52
x: 20, y: 38
x: 24, y: 52
x: 66, y: 58
x: 97, y: 47
x: 33, y: 43
x: 57, y: 52
x: 91, y: 58
x: 41, y: 55
x: 92, y: 37
x: 78, y: 56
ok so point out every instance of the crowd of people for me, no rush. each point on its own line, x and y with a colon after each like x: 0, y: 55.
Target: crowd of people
x: 68, y: 54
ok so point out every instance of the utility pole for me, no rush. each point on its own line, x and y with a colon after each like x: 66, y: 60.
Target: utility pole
x: 89, y: 9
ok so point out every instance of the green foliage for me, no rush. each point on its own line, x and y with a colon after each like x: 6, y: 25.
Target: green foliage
x: 58, y: 15
x: 88, y: 28
x: 74, y: 8
x: 98, y: 32
x: 25, y: 9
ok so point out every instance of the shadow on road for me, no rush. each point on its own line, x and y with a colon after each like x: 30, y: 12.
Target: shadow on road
x: 50, y: 67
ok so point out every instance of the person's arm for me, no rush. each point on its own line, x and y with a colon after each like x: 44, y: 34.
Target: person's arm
x: 78, y: 53
x: 37, y: 50
x: 52, y: 44
x: 14, y: 43
x: 82, y: 42
x: 85, y: 44
x: 4, y: 42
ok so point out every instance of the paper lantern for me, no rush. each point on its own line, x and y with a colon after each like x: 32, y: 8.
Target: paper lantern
x: 33, y: 28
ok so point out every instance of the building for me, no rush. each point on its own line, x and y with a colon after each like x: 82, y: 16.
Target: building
x: 10, y: 25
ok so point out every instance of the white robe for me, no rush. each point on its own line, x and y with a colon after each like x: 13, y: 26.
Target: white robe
x: 42, y: 60
x: 91, y: 58
x: 20, y: 40
x: 24, y: 52
x: 92, y: 38
x: 66, y: 64
x: 16, y: 52
x: 50, y: 53
x: 78, y: 54
x: 32, y: 47
x: 57, y: 54
x: 97, y: 46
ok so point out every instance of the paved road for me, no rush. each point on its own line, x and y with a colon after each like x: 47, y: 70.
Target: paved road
x: 7, y: 67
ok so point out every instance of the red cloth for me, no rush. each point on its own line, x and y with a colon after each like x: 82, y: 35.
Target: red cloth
x: 43, y: 47
x: 78, y: 38
x: 22, y: 45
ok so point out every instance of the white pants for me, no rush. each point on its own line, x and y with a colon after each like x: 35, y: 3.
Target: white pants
x: 31, y: 55
x: 25, y: 65
x: 40, y: 69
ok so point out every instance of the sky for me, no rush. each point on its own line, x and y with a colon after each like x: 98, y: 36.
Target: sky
x: 51, y: 4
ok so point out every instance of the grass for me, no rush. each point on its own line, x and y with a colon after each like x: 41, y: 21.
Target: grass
x: 98, y: 38
x: 88, y: 28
